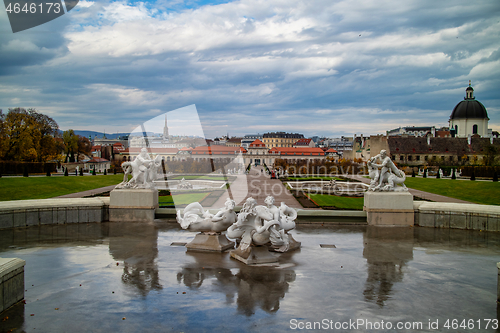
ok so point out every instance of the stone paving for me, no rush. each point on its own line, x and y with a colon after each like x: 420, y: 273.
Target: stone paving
x: 258, y: 185
x: 88, y: 193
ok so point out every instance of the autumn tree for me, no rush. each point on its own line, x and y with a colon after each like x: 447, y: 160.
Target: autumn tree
x: 84, y: 146
x: 27, y: 135
x: 70, y: 145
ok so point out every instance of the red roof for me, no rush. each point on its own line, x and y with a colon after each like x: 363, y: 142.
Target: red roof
x: 443, y: 134
x: 243, y: 150
x: 331, y: 150
x: 186, y: 148
x: 116, y: 144
x: 94, y: 148
x: 294, y: 151
x: 303, y: 142
x: 257, y: 144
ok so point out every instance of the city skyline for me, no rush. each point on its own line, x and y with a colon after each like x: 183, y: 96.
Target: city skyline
x: 317, y: 68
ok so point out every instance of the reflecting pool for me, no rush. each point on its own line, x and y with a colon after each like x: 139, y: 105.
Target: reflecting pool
x: 117, y: 277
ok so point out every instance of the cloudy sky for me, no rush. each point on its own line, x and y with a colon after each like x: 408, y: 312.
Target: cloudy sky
x: 316, y: 67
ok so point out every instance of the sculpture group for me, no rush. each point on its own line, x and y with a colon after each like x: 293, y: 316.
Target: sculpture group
x: 256, y: 228
x: 384, y: 175
x: 143, y: 170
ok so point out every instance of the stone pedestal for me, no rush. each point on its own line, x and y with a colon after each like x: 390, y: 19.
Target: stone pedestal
x: 133, y: 205
x: 11, y: 282
x: 254, y: 255
x: 389, y: 208
x: 210, y: 243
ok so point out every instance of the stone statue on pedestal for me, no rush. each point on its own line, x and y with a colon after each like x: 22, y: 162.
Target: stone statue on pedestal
x: 143, y: 170
x: 384, y: 175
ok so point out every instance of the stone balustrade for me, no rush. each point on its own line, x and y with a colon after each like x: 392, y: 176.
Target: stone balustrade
x: 457, y: 216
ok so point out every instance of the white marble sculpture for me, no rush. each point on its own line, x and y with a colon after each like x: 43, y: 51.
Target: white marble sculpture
x: 384, y: 175
x: 143, y: 170
x: 264, y: 225
x: 332, y: 184
x: 195, y: 218
x: 210, y: 226
x: 184, y: 185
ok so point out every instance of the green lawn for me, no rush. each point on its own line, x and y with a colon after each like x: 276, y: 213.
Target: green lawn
x: 481, y: 192
x: 326, y: 200
x: 22, y: 188
x: 181, y: 199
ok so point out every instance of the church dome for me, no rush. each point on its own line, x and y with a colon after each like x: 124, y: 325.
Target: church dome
x: 469, y: 108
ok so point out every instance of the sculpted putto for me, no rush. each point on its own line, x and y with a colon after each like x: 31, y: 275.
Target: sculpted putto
x: 384, y: 175
x: 264, y: 225
x: 258, y: 228
x: 143, y: 170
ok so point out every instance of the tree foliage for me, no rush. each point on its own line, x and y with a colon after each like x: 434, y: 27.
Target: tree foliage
x: 26, y: 135
x: 490, y: 154
x: 70, y: 140
x: 74, y: 145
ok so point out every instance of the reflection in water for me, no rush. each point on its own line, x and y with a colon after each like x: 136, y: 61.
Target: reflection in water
x: 255, y: 287
x: 262, y: 287
x: 136, y: 245
x: 12, y: 318
x: 53, y: 255
x: 387, y: 250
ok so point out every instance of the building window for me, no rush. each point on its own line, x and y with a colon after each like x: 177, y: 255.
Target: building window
x: 401, y: 158
x: 418, y: 157
x: 474, y: 129
x: 409, y: 157
x: 456, y: 129
x: 426, y: 157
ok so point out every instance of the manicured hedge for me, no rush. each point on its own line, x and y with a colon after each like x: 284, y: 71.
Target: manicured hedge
x: 480, y: 171
x: 19, y: 168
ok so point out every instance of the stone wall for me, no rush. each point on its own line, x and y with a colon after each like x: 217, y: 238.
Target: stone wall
x: 457, y: 216
x: 11, y: 281
x: 25, y: 213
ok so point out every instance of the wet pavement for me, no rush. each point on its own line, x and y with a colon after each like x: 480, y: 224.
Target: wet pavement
x: 114, y: 277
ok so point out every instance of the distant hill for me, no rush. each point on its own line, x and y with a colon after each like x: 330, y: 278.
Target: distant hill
x: 93, y: 134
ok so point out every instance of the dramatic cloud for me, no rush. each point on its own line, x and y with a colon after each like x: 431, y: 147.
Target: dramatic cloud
x: 315, y: 67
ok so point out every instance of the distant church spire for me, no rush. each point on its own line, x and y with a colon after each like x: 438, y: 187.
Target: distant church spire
x: 469, y: 92
x: 165, y: 129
